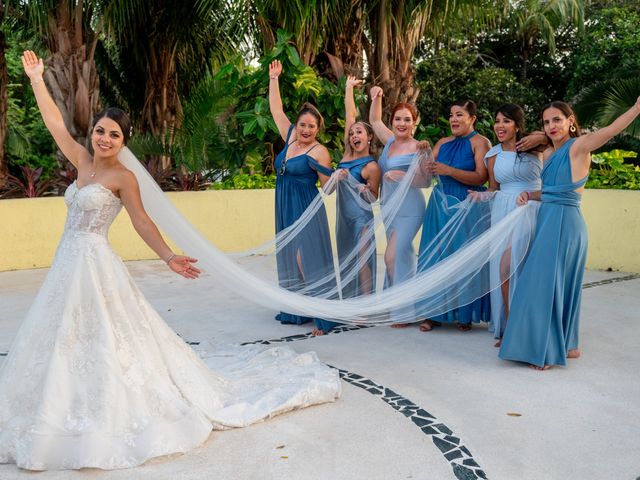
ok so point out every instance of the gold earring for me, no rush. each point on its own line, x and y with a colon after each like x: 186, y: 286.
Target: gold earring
x: 572, y: 128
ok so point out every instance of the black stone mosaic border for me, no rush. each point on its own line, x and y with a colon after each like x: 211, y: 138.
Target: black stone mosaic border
x: 452, y: 448
x: 304, y: 336
x: 607, y: 281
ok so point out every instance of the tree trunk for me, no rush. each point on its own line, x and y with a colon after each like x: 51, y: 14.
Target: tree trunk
x: 71, y: 74
x: 4, y: 81
x: 393, y: 46
x: 162, y: 107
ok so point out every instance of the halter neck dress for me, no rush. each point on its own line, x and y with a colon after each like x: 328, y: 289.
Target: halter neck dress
x: 545, y: 309
x: 405, y: 223
x: 516, y: 172
x: 351, y: 222
x: 295, y: 190
x: 457, y: 153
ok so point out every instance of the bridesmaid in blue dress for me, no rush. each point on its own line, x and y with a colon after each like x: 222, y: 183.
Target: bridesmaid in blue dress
x: 399, y: 153
x: 459, y: 163
x: 511, y: 172
x: 303, y: 161
x: 545, y: 309
x: 352, y: 220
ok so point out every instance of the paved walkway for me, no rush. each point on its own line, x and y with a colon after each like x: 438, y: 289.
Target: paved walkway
x: 437, y: 405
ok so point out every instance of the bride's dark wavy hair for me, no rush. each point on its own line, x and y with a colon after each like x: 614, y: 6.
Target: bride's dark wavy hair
x: 120, y: 117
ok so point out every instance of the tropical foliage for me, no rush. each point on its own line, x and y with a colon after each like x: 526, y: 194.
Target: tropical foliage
x: 193, y: 74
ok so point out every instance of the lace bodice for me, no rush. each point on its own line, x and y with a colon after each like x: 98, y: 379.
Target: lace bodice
x: 91, y: 209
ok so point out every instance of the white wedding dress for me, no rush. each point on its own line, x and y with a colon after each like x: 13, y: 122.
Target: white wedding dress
x: 95, y: 378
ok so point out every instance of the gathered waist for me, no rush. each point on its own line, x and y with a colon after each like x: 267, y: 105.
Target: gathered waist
x: 571, y: 199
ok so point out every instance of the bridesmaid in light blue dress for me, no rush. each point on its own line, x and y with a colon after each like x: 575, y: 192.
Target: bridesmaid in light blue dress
x: 303, y: 161
x: 399, y: 154
x: 544, y: 318
x: 511, y: 172
x: 353, y: 222
x: 460, y: 167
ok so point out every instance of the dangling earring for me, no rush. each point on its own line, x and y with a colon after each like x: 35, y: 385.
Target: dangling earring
x: 369, y: 142
x: 572, y: 128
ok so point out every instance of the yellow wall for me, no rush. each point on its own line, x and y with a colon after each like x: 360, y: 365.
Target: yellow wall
x: 236, y: 220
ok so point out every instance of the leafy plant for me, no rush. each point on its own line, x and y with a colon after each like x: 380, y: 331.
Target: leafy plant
x: 246, y: 182
x: 609, y: 170
x: 31, y: 184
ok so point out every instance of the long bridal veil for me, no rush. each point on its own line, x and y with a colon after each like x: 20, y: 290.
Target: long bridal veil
x: 449, y: 278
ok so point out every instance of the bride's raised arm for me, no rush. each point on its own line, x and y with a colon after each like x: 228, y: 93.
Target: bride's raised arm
x: 34, y: 68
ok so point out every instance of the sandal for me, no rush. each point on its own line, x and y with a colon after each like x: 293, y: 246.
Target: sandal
x: 428, y: 325
x: 464, y: 327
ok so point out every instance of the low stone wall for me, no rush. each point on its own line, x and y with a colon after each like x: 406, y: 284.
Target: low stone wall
x: 236, y: 220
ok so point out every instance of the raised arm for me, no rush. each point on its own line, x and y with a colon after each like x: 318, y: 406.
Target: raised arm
x: 586, y: 144
x: 34, y: 68
x: 130, y: 196
x: 375, y: 116
x: 349, y: 106
x: 275, y: 101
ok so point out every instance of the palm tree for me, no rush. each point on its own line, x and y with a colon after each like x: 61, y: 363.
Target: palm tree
x: 323, y: 30
x: 604, y: 101
x: 386, y: 32
x: 66, y: 27
x: 538, y: 20
x: 167, y: 47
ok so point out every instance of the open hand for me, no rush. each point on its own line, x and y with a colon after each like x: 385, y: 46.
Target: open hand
x: 33, y: 66
x: 275, y: 69
x: 183, y: 265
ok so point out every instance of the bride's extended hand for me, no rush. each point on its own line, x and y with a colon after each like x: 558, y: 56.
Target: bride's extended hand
x: 183, y: 265
x: 33, y: 66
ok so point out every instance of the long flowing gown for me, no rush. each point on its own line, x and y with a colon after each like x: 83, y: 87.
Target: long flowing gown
x: 404, y: 226
x: 516, y: 173
x: 545, y: 310
x: 95, y: 378
x: 295, y: 191
x: 351, y: 222
x: 448, y: 192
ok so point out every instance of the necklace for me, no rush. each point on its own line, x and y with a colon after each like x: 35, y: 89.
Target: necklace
x: 93, y: 174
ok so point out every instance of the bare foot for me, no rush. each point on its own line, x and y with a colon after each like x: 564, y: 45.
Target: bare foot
x: 428, y: 325
x: 317, y: 332
x: 540, y: 369
x: 575, y: 353
x: 498, y: 343
x: 400, y: 325
x: 464, y: 327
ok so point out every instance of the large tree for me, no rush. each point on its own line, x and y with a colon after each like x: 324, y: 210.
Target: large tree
x: 532, y: 21
x: 384, y: 32
x: 4, y: 99
x: 66, y: 28
x: 159, y: 49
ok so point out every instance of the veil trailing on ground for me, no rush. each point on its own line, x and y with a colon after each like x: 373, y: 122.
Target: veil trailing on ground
x: 352, y: 289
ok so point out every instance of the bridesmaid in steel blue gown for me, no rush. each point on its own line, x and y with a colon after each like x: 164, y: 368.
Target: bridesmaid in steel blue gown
x: 352, y: 220
x: 545, y: 309
x: 398, y: 155
x: 303, y: 161
x: 460, y: 167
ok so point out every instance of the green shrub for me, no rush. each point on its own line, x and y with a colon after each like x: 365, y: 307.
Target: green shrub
x: 246, y: 182
x: 609, y: 170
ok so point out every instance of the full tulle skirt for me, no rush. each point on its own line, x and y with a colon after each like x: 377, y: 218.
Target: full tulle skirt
x: 95, y: 378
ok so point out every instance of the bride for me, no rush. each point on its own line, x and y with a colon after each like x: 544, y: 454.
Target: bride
x: 94, y: 377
